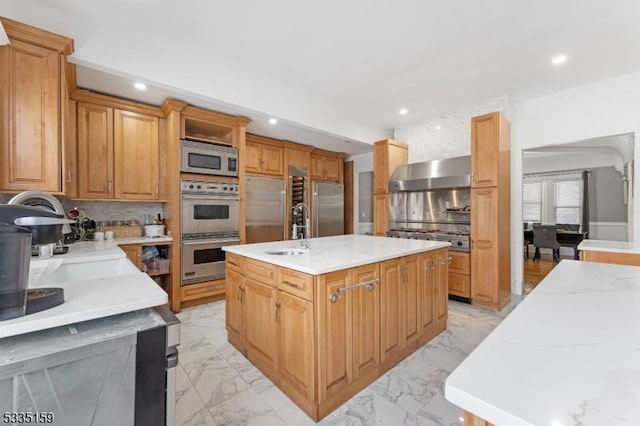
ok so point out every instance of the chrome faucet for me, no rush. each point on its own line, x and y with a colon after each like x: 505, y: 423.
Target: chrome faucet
x: 302, y: 207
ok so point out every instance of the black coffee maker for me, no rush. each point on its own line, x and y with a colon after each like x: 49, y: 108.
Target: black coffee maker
x: 21, y: 226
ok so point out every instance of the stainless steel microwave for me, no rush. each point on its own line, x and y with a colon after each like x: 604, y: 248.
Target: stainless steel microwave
x: 208, y: 159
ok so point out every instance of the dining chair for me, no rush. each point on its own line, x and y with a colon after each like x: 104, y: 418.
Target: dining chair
x: 544, y: 236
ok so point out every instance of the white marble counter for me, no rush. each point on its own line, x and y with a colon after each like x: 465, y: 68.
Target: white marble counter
x: 106, y: 283
x: 568, y: 354
x: 329, y: 254
x: 631, y: 247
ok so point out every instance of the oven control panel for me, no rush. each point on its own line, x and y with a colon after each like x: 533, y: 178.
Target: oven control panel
x: 208, y: 187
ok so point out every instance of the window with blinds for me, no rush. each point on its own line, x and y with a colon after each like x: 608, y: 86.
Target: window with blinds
x: 568, y: 200
x: 532, y: 202
x: 552, y: 198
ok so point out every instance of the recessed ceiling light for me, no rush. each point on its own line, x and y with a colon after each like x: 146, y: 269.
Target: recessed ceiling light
x: 559, y: 59
x: 140, y: 86
x: 438, y: 127
x: 273, y: 121
x: 403, y: 111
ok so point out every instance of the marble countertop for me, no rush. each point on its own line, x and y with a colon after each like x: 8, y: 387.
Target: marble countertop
x: 568, y: 354
x: 329, y: 254
x: 631, y: 247
x: 88, y: 294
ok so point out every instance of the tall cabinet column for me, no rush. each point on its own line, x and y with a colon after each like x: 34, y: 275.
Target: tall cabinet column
x: 490, y: 211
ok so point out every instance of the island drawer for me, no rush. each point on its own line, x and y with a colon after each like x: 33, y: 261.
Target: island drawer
x: 296, y: 283
x: 234, y: 262
x: 260, y: 271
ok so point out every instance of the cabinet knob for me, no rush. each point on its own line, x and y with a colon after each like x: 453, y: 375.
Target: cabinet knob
x: 334, y: 298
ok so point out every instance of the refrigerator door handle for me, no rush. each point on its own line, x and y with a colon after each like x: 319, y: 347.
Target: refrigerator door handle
x: 315, y: 211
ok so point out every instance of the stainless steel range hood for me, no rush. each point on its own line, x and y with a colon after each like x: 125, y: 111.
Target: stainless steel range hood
x: 449, y: 173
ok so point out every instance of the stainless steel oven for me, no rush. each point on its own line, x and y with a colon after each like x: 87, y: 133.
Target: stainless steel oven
x: 203, y: 260
x: 207, y: 158
x: 210, y: 209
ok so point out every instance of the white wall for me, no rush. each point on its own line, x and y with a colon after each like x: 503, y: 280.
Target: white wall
x: 446, y: 135
x: 361, y: 163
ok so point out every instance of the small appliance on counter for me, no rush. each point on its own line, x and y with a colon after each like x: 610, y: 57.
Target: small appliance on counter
x: 154, y: 227
x: 20, y: 226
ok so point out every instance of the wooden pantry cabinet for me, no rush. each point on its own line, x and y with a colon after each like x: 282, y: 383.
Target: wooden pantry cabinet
x: 33, y: 97
x: 263, y: 156
x: 490, y: 211
x: 118, y: 153
x: 322, y: 338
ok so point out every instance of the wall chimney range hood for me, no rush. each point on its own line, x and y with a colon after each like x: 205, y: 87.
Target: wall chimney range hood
x: 449, y: 173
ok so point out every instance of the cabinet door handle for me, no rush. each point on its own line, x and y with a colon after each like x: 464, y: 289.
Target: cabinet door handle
x: 109, y: 186
x: 290, y: 284
x: 334, y: 298
x: 156, y: 189
x: 429, y: 268
x: 277, y: 319
x: 242, y: 294
x: 68, y: 175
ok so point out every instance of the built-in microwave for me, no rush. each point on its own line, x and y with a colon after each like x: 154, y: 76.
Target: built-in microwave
x: 209, y: 159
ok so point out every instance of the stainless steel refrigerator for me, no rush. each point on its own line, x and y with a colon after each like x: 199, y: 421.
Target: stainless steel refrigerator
x: 328, y: 209
x: 264, y: 209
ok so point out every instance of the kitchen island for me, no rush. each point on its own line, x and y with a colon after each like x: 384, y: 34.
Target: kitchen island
x: 323, y: 323
x: 567, y: 355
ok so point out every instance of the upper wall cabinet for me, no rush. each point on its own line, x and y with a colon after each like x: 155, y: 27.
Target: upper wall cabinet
x: 388, y: 154
x: 118, y: 153
x: 326, y: 166
x: 490, y: 150
x: 263, y: 156
x: 32, y: 69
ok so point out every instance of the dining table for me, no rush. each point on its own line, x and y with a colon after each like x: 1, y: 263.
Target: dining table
x: 565, y: 237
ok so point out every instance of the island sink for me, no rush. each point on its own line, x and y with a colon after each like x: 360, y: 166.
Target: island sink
x: 287, y: 252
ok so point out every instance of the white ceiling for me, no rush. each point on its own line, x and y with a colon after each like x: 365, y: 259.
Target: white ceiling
x: 336, y: 71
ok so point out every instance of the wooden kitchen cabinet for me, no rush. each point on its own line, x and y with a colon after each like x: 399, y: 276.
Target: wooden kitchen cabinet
x: 296, y: 348
x: 490, y: 260
x: 32, y: 92
x: 388, y: 154
x: 490, y: 150
x: 136, y: 155
x: 263, y: 156
x: 318, y: 338
x: 490, y: 211
x: 459, y: 274
x: 95, y: 150
x: 134, y: 253
x: 234, y: 309
x: 260, y: 338
x: 118, y: 153
x: 326, y: 166
x: 399, y: 310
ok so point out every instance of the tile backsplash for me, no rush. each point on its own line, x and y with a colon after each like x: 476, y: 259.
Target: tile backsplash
x: 107, y: 210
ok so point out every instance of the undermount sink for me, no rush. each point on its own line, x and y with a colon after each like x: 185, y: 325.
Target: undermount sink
x: 287, y: 252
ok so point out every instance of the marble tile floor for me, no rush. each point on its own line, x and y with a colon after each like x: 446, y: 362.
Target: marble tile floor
x: 216, y: 385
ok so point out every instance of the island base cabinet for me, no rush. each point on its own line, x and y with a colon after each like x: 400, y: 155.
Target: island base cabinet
x: 318, y: 338
x: 260, y: 339
x: 348, y: 334
x: 296, y: 349
x: 234, y: 310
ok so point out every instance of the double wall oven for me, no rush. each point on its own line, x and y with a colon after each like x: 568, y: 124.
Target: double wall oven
x: 210, y: 220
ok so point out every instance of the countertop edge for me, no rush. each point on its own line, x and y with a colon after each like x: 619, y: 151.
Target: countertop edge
x: 588, y: 245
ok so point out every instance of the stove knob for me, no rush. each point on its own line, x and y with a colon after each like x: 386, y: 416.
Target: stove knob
x: 459, y: 243
x: 190, y: 186
x: 199, y: 186
x: 224, y: 188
